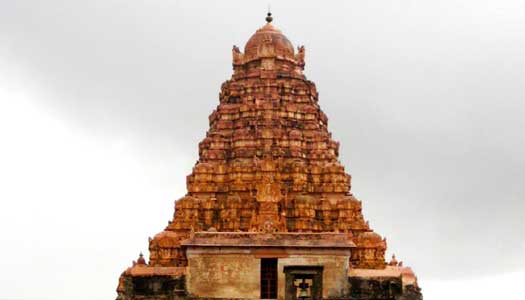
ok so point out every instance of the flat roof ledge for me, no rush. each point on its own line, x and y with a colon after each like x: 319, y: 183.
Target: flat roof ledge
x: 278, y: 239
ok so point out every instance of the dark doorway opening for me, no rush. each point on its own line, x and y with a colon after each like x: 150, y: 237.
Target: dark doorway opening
x: 303, y: 282
x: 269, y: 278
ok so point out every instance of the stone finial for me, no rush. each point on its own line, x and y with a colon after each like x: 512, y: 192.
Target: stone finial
x: 269, y: 17
x: 393, y: 261
x: 141, y: 260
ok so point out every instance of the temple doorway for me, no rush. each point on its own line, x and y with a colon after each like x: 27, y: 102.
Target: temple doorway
x: 269, y: 278
x: 303, y: 282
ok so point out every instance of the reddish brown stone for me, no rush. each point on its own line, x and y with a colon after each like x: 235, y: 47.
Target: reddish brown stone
x: 267, y: 165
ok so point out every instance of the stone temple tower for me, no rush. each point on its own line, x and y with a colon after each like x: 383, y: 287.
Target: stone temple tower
x: 268, y: 212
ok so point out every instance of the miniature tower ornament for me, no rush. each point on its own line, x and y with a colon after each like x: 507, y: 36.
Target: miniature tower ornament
x: 268, y: 202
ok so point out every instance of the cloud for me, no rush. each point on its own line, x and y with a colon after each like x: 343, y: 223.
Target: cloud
x: 76, y: 208
x: 103, y: 104
x: 487, y: 287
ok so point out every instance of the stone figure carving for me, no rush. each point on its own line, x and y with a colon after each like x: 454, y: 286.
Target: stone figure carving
x: 300, y: 56
x: 237, y: 55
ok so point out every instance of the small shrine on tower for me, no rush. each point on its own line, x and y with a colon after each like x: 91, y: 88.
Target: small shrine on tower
x: 268, y: 212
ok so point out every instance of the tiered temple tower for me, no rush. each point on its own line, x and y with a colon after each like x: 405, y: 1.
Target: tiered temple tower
x: 268, y: 213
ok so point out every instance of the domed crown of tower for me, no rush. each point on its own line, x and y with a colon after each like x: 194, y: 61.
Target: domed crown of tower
x: 266, y: 43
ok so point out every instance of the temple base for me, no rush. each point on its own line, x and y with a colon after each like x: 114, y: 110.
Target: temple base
x: 174, y: 288
x: 284, y: 266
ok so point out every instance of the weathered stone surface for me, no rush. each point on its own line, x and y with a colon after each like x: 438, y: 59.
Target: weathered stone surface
x: 154, y: 287
x: 231, y: 261
x: 224, y: 275
x: 382, y: 288
x: 286, y: 240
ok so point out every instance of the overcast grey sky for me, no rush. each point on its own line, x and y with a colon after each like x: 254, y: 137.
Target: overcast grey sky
x: 103, y: 103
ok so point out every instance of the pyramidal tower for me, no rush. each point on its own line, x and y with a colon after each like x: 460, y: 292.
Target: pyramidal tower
x: 268, y: 212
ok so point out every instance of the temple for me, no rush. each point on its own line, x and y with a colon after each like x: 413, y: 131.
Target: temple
x: 268, y: 212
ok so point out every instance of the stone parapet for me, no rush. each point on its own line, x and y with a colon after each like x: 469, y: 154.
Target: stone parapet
x: 271, y: 240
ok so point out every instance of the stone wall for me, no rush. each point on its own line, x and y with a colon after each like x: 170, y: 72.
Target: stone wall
x: 152, y: 288
x: 174, y: 287
x: 223, y: 275
x: 235, y: 273
x: 382, y: 288
x: 228, y: 265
